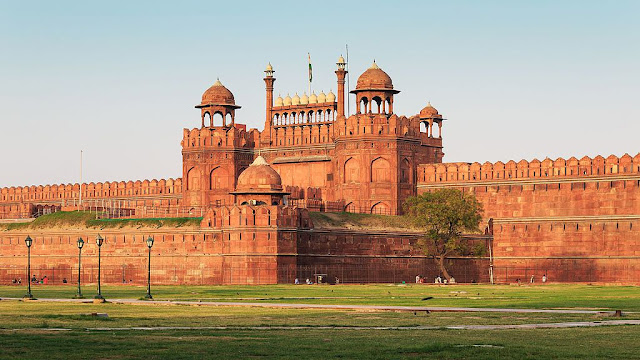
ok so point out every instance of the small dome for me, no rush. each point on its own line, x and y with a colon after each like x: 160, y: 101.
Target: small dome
x: 295, y: 100
x: 374, y: 78
x: 259, y: 177
x: 287, y: 100
x: 331, y: 97
x: 313, y: 99
x: 269, y: 67
x: 218, y: 94
x: 429, y: 112
x: 322, y: 97
x: 341, y: 60
x: 304, y: 100
x: 279, y: 101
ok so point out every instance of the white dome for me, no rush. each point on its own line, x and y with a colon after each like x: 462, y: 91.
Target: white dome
x: 279, y: 101
x: 331, y: 97
x: 322, y: 97
x: 304, y: 100
x: 287, y: 100
x: 295, y: 100
x: 313, y: 99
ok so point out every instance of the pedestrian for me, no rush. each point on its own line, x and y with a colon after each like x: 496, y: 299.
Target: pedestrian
x: 296, y: 281
x: 532, y: 279
x: 544, y: 278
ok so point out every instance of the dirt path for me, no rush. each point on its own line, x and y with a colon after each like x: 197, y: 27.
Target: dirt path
x: 334, y: 307
x: 449, y: 327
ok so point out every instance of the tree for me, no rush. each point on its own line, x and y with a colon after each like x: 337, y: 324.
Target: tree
x: 445, y: 214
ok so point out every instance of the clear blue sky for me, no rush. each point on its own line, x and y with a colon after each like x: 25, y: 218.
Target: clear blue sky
x: 119, y: 79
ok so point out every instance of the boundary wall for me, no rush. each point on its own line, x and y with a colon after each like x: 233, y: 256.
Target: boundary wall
x: 210, y: 256
x: 573, y: 220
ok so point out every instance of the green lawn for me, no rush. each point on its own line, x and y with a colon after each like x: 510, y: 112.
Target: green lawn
x: 626, y: 298
x: 27, y: 329
x: 19, y: 315
x: 595, y: 343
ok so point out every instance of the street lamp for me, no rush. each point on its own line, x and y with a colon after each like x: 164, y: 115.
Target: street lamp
x: 99, y: 241
x: 80, y: 243
x: 28, y: 241
x: 149, y: 245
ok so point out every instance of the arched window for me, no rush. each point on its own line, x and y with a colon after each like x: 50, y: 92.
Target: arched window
x: 378, y: 101
x: 364, y: 102
x: 218, y: 179
x: 351, y: 171
x: 216, y: 119
x: 380, y: 208
x: 193, y: 179
x: 405, y: 171
x: 380, y: 170
x: 350, y: 207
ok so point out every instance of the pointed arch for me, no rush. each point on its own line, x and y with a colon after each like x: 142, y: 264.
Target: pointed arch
x: 351, y: 171
x: 380, y: 170
x: 218, y: 179
x: 380, y: 208
x: 405, y: 172
x: 193, y: 179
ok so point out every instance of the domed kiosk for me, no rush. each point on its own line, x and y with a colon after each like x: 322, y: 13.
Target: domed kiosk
x: 259, y: 184
x: 218, y: 100
x: 374, y: 86
x: 429, y: 116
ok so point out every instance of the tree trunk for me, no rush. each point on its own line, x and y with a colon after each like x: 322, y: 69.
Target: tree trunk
x: 443, y: 270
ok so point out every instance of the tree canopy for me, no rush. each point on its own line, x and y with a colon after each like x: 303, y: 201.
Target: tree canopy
x: 445, y: 214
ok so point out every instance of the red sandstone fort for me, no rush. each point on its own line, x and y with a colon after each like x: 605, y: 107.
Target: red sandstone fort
x: 572, y: 220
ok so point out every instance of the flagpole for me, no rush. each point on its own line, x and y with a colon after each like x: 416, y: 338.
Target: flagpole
x: 309, y: 55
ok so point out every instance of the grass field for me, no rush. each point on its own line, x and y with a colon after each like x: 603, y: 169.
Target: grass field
x: 28, y: 329
x: 547, y: 296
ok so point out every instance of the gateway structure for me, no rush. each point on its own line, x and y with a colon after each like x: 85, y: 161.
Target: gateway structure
x: 573, y: 220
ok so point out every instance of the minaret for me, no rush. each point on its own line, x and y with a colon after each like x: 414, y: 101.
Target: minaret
x: 269, y: 80
x: 341, y: 73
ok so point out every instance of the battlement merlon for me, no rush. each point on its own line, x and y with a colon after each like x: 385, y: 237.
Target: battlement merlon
x: 535, y: 169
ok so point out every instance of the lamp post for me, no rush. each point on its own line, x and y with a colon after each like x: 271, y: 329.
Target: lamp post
x: 28, y: 241
x: 99, y: 241
x: 149, y: 245
x: 80, y: 243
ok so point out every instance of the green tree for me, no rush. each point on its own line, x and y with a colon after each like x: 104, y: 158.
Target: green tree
x: 445, y: 214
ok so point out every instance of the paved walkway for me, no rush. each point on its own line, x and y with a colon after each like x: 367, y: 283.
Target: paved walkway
x: 331, y: 307
x: 448, y: 327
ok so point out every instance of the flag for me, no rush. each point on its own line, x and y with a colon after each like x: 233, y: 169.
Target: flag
x: 310, y: 72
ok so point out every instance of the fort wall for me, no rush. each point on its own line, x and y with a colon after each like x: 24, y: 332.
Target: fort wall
x: 574, y: 220
x: 215, y: 256
x: 24, y: 201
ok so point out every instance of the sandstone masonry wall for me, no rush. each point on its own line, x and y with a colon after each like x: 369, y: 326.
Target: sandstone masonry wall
x: 574, y: 220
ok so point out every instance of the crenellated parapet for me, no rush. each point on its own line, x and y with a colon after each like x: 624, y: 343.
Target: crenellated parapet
x: 535, y: 169
x: 219, y: 137
x: 262, y: 216
x: 63, y: 192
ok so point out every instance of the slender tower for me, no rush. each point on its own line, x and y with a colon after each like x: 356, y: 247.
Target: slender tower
x: 268, y: 81
x: 341, y: 73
